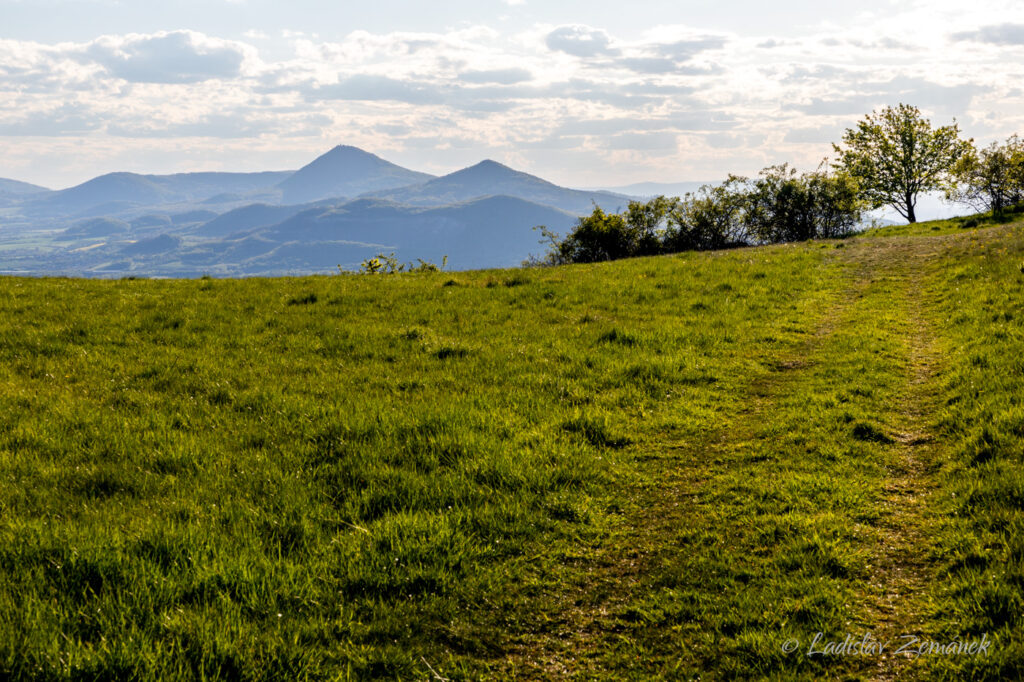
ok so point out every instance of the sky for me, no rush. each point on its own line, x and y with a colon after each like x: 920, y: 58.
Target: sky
x: 584, y: 94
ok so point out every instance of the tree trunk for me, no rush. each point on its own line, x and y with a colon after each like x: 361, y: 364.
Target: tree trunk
x: 911, y: 218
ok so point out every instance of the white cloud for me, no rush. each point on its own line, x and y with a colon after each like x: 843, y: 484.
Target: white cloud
x: 695, y: 104
x: 580, y: 41
x: 168, y: 57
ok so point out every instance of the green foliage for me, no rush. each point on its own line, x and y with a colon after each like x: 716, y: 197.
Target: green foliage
x: 778, y: 206
x: 389, y: 265
x: 990, y: 179
x: 603, y: 236
x: 712, y: 218
x: 895, y: 154
x: 781, y: 206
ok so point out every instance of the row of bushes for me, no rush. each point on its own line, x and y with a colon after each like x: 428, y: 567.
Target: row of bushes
x: 779, y: 205
x: 989, y: 179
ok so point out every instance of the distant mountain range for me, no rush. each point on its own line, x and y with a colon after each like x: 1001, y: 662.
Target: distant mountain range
x: 123, y: 192
x: 343, y: 207
x: 490, y: 178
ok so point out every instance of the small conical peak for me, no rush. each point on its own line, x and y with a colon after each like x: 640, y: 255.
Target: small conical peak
x: 490, y: 165
x: 343, y: 151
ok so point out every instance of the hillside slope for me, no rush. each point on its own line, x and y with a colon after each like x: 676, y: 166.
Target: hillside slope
x: 345, y: 172
x: 491, y: 178
x: 671, y: 467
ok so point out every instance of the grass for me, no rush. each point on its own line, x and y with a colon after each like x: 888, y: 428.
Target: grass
x: 654, y: 468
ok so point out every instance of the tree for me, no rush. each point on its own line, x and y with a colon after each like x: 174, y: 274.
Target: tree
x: 895, y: 154
x: 782, y: 206
x: 991, y: 179
x: 711, y: 218
x: 597, y: 237
x: 646, y: 222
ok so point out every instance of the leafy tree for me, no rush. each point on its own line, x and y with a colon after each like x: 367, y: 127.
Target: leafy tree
x: 647, y: 222
x: 895, y: 154
x: 990, y: 179
x: 597, y: 237
x: 779, y: 206
x: 782, y: 206
x: 711, y: 218
x: 638, y: 231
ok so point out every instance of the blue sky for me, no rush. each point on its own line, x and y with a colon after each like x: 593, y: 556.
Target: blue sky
x: 584, y: 95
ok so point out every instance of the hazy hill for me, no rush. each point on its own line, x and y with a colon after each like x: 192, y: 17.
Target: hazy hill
x: 492, y: 231
x: 246, y: 218
x: 121, y: 191
x: 345, y: 172
x: 18, y: 188
x: 329, y: 212
x: 96, y: 227
x: 492, y: 178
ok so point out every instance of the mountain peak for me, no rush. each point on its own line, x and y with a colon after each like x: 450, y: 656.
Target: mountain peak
x: 490, y: 163
x: 347, y: 150
x: 346, y: 171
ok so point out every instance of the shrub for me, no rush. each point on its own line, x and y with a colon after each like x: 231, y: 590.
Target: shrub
x: 778, y: 206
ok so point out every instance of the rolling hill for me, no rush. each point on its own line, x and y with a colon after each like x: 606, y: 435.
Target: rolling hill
x: 118, y: 192
x: 493, y: 231
x: 492, y: 178
x: 18, y: 188
x: 345, y: 172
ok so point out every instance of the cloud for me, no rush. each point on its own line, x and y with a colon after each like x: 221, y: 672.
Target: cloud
x: 373, y: 88
x: 648, y: 64
x: 667, y: 142
x: 944, y: 99
x: 821, y: 135
x: 998, y: 34
x: 167, y: 57
x: 226, y: 126
x: 583, y: 97
x: 683, y: 50
x: 499, y: 76
x: 580, y: 41
x: 62, y: 121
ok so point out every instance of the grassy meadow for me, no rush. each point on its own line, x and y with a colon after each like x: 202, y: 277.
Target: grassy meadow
x: 658, y: 468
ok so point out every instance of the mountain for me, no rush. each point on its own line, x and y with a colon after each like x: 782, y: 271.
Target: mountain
x: 97, y: 228
x: 489, y: 178
x: 343, y: 207
x: 17, y: 188
x: 112, y: 188
x: 122, y: 191
x: 247, y: 218
x: 495, y: 231
x: 345, y: 172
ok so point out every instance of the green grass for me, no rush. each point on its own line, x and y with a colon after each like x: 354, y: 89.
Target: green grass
x: 654, y: 468
x: 980, y: 542
x: 950, y: 225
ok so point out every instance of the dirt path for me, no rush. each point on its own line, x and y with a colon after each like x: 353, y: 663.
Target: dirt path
x: 882, y: 297
x: 896, y: 598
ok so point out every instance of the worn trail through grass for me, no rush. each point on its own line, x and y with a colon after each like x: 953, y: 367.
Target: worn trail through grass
x: 805, y: 511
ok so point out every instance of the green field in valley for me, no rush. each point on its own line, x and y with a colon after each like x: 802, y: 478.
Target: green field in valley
x: 659, y: 468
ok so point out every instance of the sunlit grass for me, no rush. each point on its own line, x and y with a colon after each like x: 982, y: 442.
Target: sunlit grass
x: 655, y: 467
